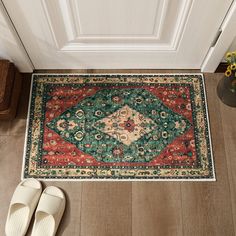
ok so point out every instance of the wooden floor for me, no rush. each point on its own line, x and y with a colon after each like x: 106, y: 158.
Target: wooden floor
x: 138, y: 208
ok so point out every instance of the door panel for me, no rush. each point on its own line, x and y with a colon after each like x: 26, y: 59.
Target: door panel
x: 117, y: 34
x: 121, y: 23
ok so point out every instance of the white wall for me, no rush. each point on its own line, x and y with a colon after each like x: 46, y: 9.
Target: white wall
x: 10, y: 45
x: 233, y: 46
x: 230, y: 49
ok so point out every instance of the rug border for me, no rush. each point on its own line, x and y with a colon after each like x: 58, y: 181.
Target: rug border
x: 209, y: 128
x: 26, y: 128
x: 131, y: 180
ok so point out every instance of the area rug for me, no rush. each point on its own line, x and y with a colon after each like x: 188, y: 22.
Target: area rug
x: 118, y: 127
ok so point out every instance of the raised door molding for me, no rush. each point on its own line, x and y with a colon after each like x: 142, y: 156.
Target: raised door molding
x: 76, y: 26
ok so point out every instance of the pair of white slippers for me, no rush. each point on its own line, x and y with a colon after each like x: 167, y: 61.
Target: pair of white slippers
x: 50, y: 207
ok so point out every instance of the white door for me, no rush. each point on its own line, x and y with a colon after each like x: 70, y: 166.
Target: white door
x: 69, y: 34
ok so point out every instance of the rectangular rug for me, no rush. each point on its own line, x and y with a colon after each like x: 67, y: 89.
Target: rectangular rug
x: 118, y: 127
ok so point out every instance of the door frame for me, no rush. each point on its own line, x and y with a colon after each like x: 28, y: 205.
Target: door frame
x: 11, y: 46
x: 227, y: 34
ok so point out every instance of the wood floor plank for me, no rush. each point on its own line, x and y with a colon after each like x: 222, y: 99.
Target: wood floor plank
x: 156, y: 209
x: 229, y: 133
x: 106, y: 209
x: 207, y: 205
x: 11, y: 151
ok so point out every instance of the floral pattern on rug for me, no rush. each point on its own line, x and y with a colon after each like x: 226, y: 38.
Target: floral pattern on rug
x: 118, y: 127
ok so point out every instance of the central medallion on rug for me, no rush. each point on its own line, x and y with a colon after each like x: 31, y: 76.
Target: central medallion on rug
x: 118, y: 127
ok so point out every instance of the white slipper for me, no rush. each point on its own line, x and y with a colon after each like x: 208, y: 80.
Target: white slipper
x: 49, y: 212
x: 22, y: 206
